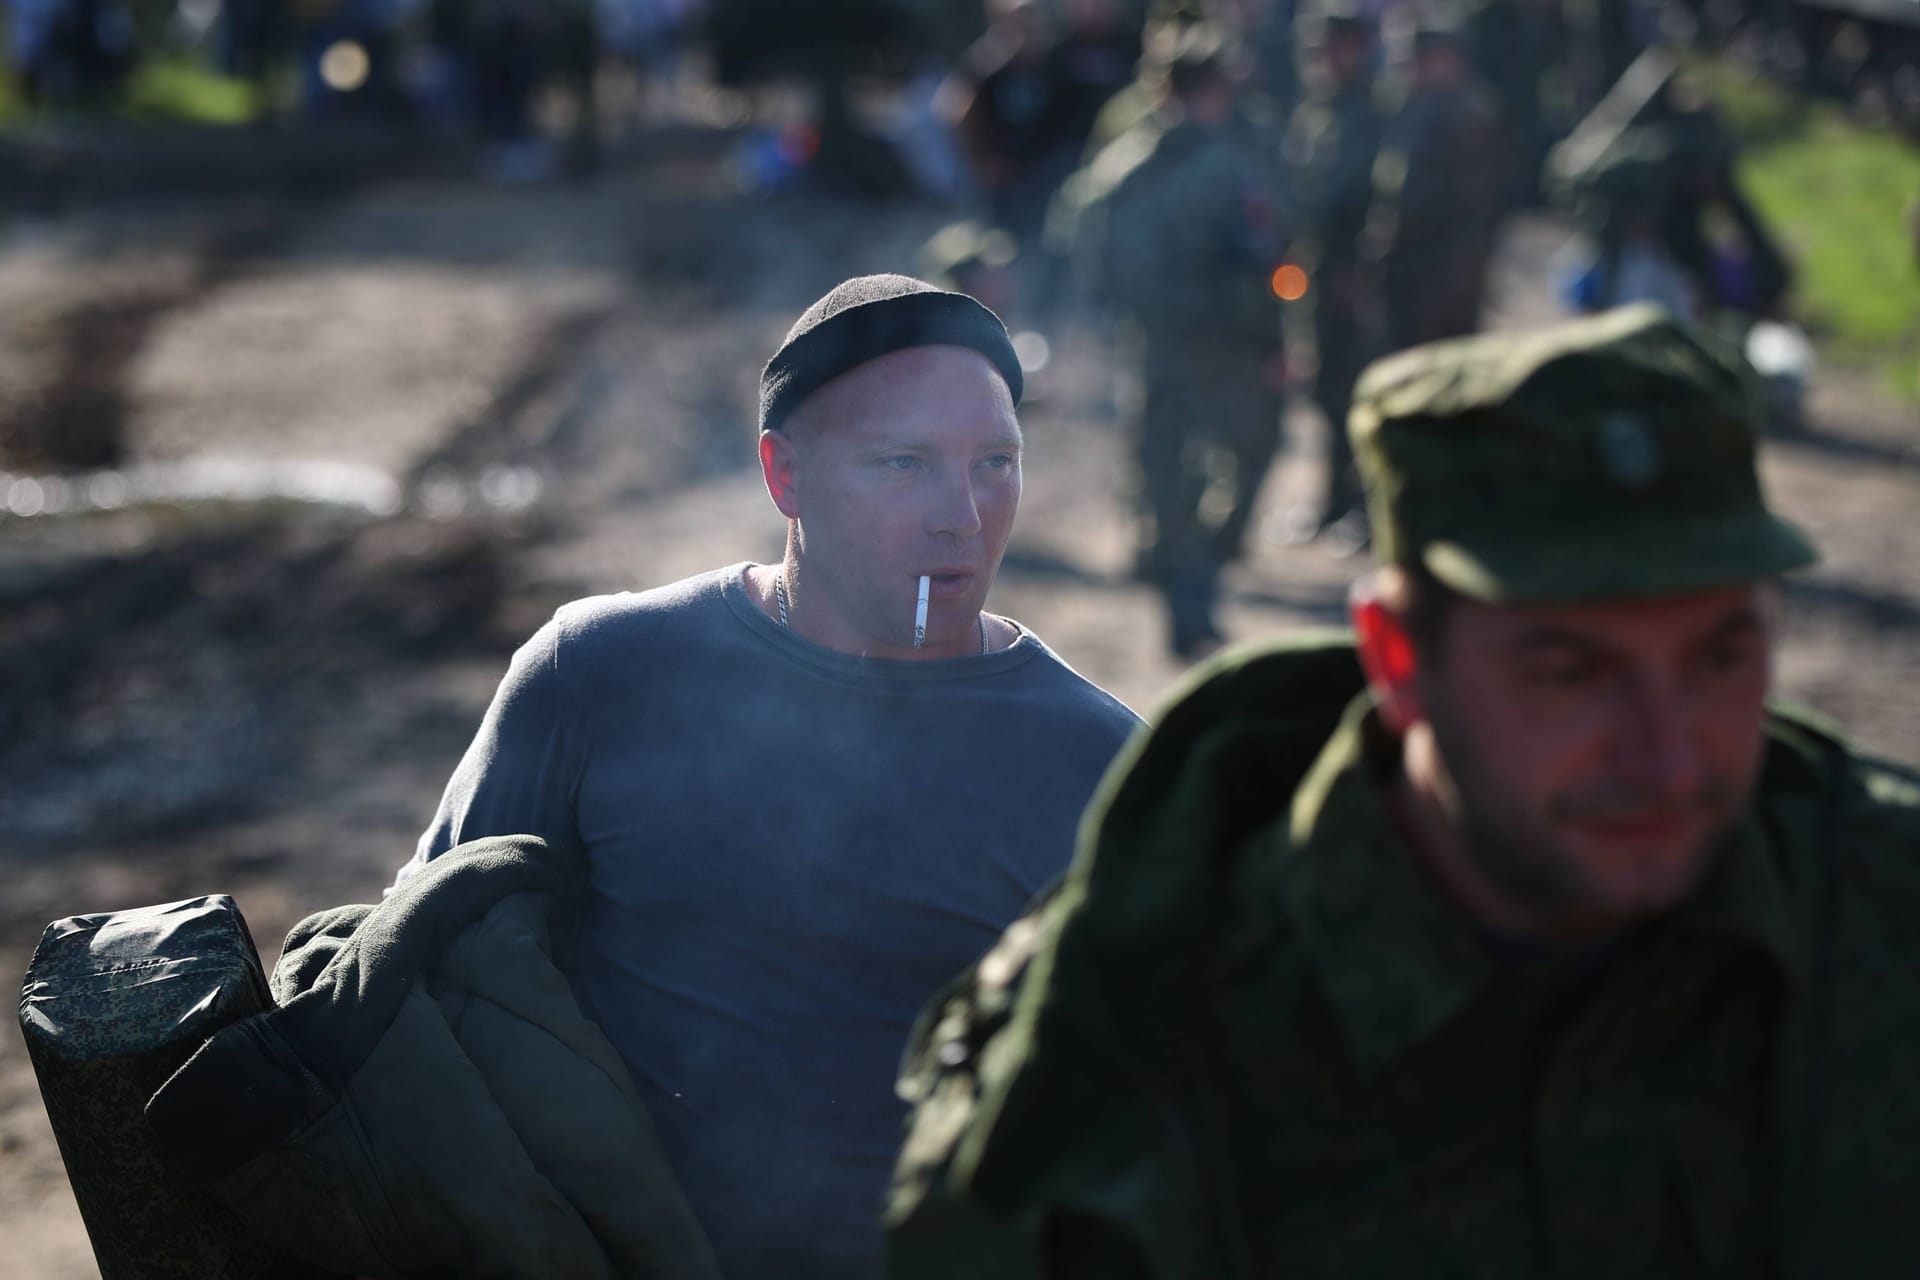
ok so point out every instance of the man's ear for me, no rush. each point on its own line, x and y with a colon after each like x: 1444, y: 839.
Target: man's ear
x: 1387, y: 656
x: 779, y: 467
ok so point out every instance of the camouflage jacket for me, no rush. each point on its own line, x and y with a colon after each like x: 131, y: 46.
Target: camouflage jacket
x: 1333, y: 142
x: 1440, y: 181
x: 1244, y: 1040
x: 1178, y: 230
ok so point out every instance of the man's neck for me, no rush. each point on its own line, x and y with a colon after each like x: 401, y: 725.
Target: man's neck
x: 774, y: 590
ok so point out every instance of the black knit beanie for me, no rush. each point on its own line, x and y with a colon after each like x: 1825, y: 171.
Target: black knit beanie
x: 871, y: 316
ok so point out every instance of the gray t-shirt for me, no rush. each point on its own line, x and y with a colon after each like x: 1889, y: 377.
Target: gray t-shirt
x: 791, y: 850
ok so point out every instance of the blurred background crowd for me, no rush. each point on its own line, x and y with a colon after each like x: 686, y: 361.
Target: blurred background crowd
x: 1248, y: 199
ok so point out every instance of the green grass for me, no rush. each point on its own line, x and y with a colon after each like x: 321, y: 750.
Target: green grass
x: 182, y: 91
x: 11, y: 106
x: 1756, y: 110
x: 1839, y: 195
x: 164, y: 89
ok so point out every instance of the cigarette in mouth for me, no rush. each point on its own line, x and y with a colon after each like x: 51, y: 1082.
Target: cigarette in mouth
x: 920, y: 613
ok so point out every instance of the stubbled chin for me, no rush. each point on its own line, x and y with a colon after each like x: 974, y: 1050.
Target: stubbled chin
x: 1640, y: 873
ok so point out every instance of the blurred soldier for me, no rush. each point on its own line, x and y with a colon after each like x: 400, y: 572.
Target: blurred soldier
x: 830, y: 47
x: 1012, y: 125
x: 1178, y: 238
x: 1095, y: 57
x: 1515, y: 46
x: 85, y: 53
x: 1132, y: 109
x: 1602, y: 44
x: 1270, y: 27
x: 966, y: 257
x: 1521, y: 939
x: 1712, y: 228
x: 1665, y: 213
x: 1621, y: 203
x: 1135, y: 102
x: 805, y: 801
x: 1333, y: 144
x: 1441, y: 188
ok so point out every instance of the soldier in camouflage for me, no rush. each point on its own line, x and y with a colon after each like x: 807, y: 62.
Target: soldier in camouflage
x: 1520, y: 938
x: 1519, y: 50
x: 1178, y: 236
x: 1332, y: 145
x: 1274, y: 88
x: 1440, y: 189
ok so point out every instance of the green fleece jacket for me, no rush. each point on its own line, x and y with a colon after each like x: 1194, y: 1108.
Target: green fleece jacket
x: 428, y: 1097
x: 1245, y: 1039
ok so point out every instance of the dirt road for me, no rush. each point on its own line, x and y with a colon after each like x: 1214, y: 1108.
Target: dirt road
x: 368, y: 441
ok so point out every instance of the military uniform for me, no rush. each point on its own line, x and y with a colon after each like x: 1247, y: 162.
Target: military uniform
x: 1602, y: 44
x: 1276, y: 65
x: 1440, y: 188
x: 1516, y: 45
x: 1334, y: 141
x: 1177, y: 236
x: 1246, y: 1038
x: 1661, y: 184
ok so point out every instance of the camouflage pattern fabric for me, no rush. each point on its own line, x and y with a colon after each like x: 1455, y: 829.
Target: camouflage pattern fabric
x: 1248, y: 1042
x: 112, y: 1005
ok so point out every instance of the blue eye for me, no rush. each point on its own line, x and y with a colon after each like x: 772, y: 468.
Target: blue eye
x: 903, y: 462
x: 998, y: 462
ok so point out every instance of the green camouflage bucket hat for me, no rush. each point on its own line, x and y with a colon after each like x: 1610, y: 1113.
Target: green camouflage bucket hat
x: 1612, y: 456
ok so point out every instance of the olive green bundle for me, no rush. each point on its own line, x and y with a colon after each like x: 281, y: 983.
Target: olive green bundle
x: 111, y: 1006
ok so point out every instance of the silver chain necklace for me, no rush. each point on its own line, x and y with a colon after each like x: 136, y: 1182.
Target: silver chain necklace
x: 780, y: 602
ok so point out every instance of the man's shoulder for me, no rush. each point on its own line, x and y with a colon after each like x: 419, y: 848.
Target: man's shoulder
x: 1185, y: 821
x: 618, y: 620
x: 1185, y: 850
x: 1268, y: 708
x: 1051, y: 1075
x: 1160, y: 937
x: 1826, y: 799
x: 1069, y: 693
x: 1028, y: 1099
x: 1180, y: 857
x: 1886, y: 818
